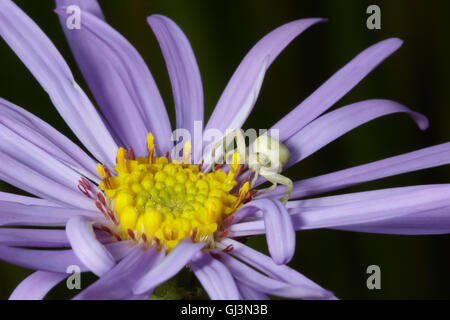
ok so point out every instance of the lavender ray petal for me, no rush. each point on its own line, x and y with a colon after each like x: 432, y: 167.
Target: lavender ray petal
x: 280, y: 233
x: 336, y: 87
x: 244, y: 212
x: 56, y: 260
x: 420, y: 223
x: 129, y: 81
x: 119, y: 281
x: 229, y: 112
x: 248, y: 293
x: 412, y: 161
x: 37, y: 285
x: 183, y: 252
x: 47, y: 65
x: 88, y: 249
x: 332, y: 125
x: 42, y: 238
x: 262, y: 283
x: 120, y: 249
x: 47, y: 138
x: 90, y: 6
x: 245, y: 107
x: 27, y: 179
x: 124, y: 118
x: 214, y: 277
x: 33, y: 238
x: 46, y: 260
x: 183, y: 71
x: 266, y: 265
x: 17, y: 214
x: 32, y: 156
x: 11, y: 197
x: 244, y: 229
x: 369, y: 207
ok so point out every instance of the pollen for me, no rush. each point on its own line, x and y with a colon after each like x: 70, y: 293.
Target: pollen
x: 162, y: 202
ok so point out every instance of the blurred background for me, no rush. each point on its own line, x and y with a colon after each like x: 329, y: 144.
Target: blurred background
x: 221, y: 33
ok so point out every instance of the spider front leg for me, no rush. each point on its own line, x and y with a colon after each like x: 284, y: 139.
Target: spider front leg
x: 277, y: 178
x: 237, y: 135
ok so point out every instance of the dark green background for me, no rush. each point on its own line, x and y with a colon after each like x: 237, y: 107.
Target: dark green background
x: 221, y: 32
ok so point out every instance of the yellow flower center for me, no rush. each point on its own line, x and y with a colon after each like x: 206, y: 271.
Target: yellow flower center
x: 162, y: 202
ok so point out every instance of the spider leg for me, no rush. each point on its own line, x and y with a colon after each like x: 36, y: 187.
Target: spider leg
x: 255, y: 178
x: 277, y: 178
x: 271, y: 188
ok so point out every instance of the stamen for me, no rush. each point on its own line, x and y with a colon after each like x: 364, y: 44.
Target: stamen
x: 228, y: 249
x: 120, y: 160
x: 131, y: 234
x: 200, y: 166
x: 215, y: 255
x: 101, y: 198
x: 85, y: 187
x: 194, y: 234
x: 224, y: 234
x: 187, y: 152
x: 130, y: 154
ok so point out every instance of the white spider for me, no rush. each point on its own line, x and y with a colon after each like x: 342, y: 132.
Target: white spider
x: 266, y: 158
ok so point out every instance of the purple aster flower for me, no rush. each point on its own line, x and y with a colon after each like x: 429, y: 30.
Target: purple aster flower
x: 135, y: 218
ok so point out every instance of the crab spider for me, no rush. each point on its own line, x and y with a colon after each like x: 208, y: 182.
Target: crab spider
x: 266, y: 158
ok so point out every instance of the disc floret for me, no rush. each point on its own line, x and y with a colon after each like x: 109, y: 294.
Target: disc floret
x: 161, y: 201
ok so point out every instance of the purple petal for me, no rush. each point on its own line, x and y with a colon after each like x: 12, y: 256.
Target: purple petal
x: 248, y: 293
x: 56, y: 260
x: 119, y: 281
x: 332, y: 125
x: 180, y: 256
x: 47, y: 138
x: 244, y: 110
x: 420, y: 223
x: 27, y: 179
x: 245, y: 229
x: 280, y: 233
x: 132, y: 102
x: 17, y: 214
x: 47, y: 65
x: 43, y: 238
x: 106, y: 84
x: 412, y: 161
x: 47, y: 260
x: 88, y: 249
x: 120, y: 249
x: 183, y: 71
x: 252, y: 278
x: 32, y: 156
x: 244, y: 212
x: 265, y: 264
x: 369, y: 207
x: 239, y: 96
x: 336, y: 87
x: 37, y: 285
x: 90, y: 6
x: 11, y: 197
x: 214, y: 277
x: 33, y: 238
